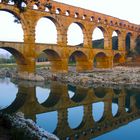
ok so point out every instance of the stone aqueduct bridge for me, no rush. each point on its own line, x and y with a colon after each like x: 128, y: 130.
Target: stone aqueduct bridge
x: 63, y: 16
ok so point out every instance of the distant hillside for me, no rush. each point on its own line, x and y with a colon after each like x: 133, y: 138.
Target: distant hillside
x: 136, y: 52
x: 100, y: 43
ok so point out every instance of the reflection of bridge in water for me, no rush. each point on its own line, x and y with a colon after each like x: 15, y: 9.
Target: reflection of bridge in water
x: 60, y: 101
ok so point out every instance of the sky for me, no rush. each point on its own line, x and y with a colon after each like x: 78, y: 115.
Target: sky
x: 123, y: 9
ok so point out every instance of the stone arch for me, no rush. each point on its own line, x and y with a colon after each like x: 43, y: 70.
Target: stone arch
x: 52, y: 100
x: 100, y: 43
x: 52, y: 33
x: 54, y: 58
x: 80, y: 59
x: 78, y: 122
x: 79, y: 93
x: 137, y: 99
x: 19, y: 19
x: 42, y: 57
x: 115, y: 107
x: 76, y: 15
x: 117, y: 59
x: 111, y: 23
x: 100, y: 92
x: 67, y: 12
x: 42, y: 93
x: 58, y: 10
x: 105, y: 21
x: 104, y: 41
x: 19, y: 101
x: 132, y: 99
x: 98, y: 110
x: 128, y: 43
x: 51, y: 54
x: 19, y: 57
x: 81, y: 30
x: 101, y: 60
x: 78, y: 97
x: 16, y: 13
x: 117, y: 91
x: 54, y: 94
x: 137, y: 46
x: 116, y: 35
x: 51, y: 118
x: 35, y: 7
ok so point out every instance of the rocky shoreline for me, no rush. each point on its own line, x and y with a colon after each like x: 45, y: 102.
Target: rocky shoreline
x: 15, y: 126
x: 117, y: 76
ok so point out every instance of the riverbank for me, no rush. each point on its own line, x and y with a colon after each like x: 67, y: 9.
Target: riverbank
x: 117, y: 76
x: 15, y: 127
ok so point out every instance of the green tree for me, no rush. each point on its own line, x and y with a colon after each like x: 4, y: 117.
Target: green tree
x: 12, y: 59
x: 19, y: 3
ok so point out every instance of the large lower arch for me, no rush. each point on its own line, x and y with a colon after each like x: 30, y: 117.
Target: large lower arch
x: 23, y: 64
x: 101, y: 60
x: 117, y: 59
x: 56, y: 62
x: 20, y: 59
x: 81, y: 61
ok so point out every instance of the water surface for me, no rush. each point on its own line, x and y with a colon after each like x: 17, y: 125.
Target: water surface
x: 74, y: 112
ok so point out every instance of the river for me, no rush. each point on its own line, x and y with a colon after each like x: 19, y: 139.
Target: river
x: 75, y: 112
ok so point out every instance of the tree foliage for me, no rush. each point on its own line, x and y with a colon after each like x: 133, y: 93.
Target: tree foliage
x: 19, y: 3
x: 7, y: 59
